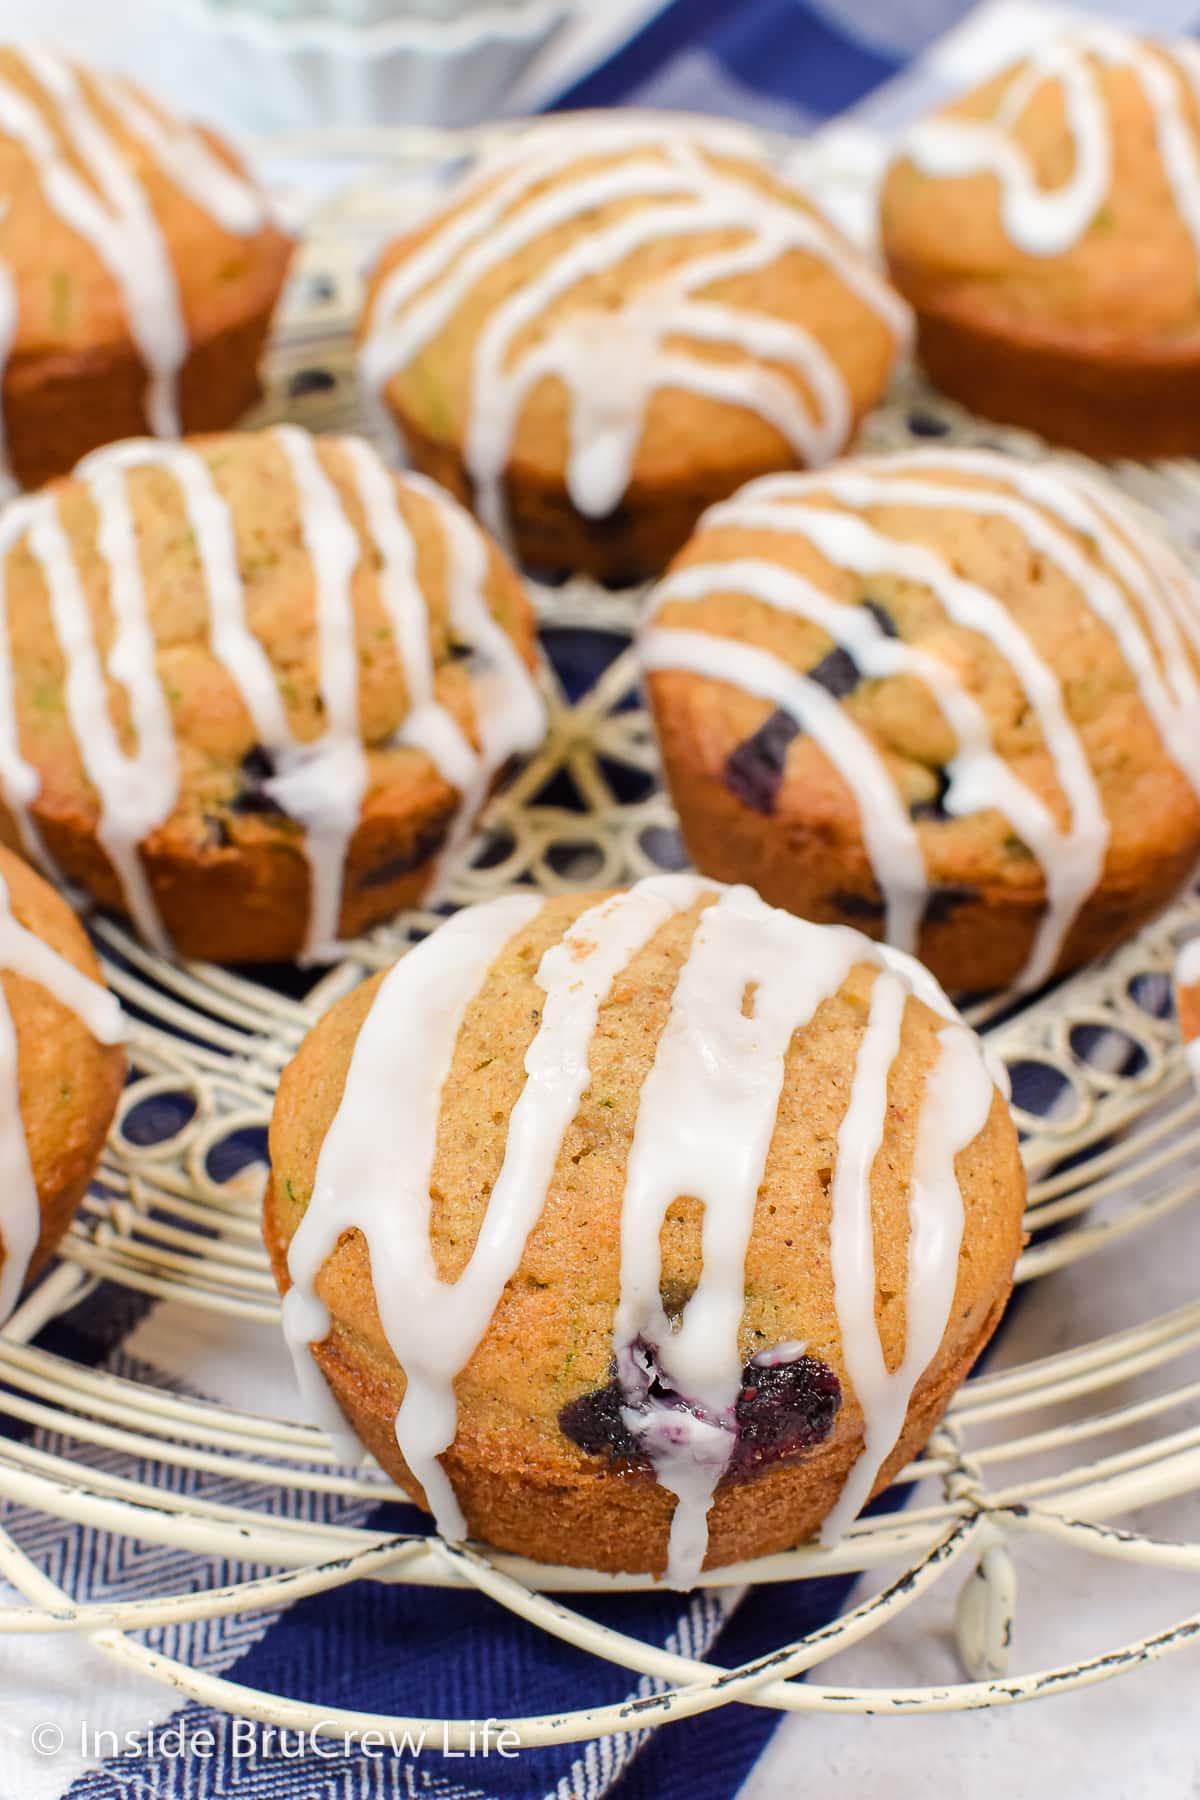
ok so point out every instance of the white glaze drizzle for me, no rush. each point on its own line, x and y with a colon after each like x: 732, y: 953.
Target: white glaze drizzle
x: 117, y: 222
x: 1175, y: 714
x: 954, y: 1110
x: 1159, y: 638
x: 376, y: 1161
x: 888, y: 832
x: 135, y: 792
x: 187, y: 160
x: 1140, y: 557
x: 1048, y: 222
x: 705, y: 1121
x: 977, y: 777
x: 324, y: 786
x: 111, y: 211
x: 510, y: 715
x: 706, y: 1117
x: 23, y: 953
x: 319, y: 783
x: 1072, y: 861
x: 611, y: 361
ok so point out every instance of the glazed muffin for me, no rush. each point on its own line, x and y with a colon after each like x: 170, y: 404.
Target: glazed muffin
x: 61, y: 1069
x: 945, y: 695
x: 642, y: 1231
x: 611, y: 324
x: 1046, y: 228
x: 257, y: 687
x: 139, y: 266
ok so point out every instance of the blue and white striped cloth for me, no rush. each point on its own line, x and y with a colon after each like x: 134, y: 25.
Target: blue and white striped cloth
x: 794, y: 65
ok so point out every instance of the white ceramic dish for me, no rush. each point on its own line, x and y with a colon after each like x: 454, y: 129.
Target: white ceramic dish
x: 329, y: 68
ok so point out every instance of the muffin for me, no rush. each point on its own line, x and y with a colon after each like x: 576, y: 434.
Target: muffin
x: 61, y: 1068
x: 642, y: 1231
x: 139, y: 266
x: 610, y: 325
x: 256, y: 687
x: 944, y: 695
x: 1046, y: 229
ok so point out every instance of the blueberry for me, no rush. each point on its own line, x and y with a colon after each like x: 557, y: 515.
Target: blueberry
x: 857, y: 906
x: 753, y: 772
x: 217, y: 835
x: 935, y: 807
x: 926, y: 424
x: 311, y: 381
x: 882, y: 618
x: 944, y: 901
x: 257, y: 768
x: 837, y: 673
x: 424, y: 845
x: 594, y: 1422
x: 782, y: 1410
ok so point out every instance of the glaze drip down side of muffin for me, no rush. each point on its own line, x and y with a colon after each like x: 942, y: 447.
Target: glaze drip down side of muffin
x: 634, y: 1050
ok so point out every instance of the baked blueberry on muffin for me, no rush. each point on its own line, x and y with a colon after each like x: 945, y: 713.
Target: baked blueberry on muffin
x: 610, y: 325
x: 642, y: 1231
x: 945, y: 695
x: 61, y: 1069
x: 254, y: 688
x: 139, y: 266
x: 1046, y: 228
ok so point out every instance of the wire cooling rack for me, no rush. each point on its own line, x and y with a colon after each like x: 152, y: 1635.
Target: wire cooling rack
x: 1111, y: 1135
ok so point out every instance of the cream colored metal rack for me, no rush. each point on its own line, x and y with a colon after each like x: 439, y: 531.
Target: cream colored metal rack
x: 1112, y: 1144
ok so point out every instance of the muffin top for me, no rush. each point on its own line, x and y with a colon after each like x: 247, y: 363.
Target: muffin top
x: 210, y: 644
x: 60, y: 1069
x: 987, y: 670
x: 117, y: 222
x: 1062, y: 196
x: 627, y: 303
x: 650, y: 1176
